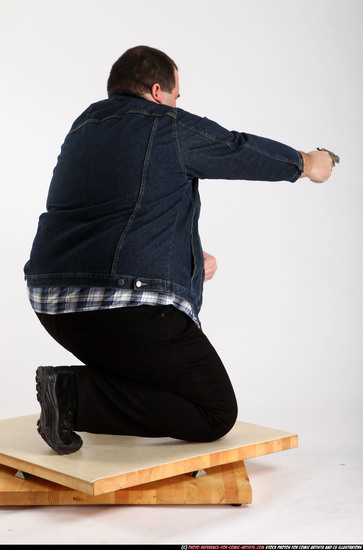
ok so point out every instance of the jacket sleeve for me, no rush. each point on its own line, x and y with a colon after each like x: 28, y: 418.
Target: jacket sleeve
x: 209, y: 151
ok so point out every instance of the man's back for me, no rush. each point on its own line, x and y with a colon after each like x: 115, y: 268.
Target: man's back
x: 121, y: 206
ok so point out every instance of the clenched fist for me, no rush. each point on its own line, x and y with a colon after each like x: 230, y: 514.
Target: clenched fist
x: 317, y: 166
x: 210, y: 266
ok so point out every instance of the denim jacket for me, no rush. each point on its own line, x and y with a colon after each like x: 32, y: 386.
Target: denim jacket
x: 123, y: 204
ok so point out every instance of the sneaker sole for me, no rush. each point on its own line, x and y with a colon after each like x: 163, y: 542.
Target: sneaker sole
x: 49, y: 416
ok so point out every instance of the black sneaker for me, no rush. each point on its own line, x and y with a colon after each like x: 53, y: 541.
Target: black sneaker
x: 56, y: 393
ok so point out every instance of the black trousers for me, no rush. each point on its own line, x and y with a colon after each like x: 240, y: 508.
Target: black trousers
x: 149, y: 371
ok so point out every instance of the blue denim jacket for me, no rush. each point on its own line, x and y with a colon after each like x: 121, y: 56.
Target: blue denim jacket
x: 123, y: 204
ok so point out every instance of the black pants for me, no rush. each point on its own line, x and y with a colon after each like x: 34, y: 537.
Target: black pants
x: 149, y: 371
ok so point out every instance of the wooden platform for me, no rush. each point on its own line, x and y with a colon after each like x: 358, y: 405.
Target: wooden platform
x: 112, y: 469
x: 228, y: 484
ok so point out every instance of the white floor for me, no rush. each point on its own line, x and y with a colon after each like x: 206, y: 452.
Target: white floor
x: 309, y: 495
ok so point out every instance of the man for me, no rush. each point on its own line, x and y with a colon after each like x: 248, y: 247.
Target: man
x: 116, y: 270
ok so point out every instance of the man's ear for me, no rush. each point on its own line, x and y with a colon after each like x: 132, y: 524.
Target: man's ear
x: 157, y: 93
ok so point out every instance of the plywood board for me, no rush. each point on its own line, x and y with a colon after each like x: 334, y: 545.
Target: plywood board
x: 108, y: 463
x: 227, y: 484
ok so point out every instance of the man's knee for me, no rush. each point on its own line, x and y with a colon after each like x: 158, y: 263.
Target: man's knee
x: 223, y: 425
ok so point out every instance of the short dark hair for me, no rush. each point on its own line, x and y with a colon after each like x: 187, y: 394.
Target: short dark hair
x: 138, y: 69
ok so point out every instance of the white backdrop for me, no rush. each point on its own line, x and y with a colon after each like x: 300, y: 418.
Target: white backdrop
x: 285, y: 310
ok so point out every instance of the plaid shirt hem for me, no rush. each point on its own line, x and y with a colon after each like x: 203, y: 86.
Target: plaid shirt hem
x: 54, y: 300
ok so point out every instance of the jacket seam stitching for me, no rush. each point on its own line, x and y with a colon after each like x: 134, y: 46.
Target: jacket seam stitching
x: 179, y: 150
x: 139, y: 198
x: 243, y: 146
x: 119, y: 117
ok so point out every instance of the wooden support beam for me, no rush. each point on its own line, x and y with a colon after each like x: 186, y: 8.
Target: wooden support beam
x: 227, y: 484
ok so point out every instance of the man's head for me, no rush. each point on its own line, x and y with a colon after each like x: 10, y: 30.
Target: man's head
x: 145, y: 72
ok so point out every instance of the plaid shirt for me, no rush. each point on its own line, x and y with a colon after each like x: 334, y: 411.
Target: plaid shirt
x: 53, y: 300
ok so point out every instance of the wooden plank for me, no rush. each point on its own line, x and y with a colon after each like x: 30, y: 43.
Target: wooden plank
x: 107, y: 463
x: 227, y: 484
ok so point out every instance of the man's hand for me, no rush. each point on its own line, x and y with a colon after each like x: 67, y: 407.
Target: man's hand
x: 210, y: 266
x: 317, y: 166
